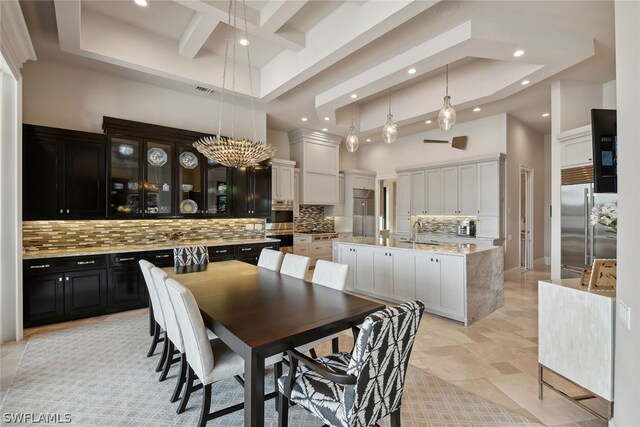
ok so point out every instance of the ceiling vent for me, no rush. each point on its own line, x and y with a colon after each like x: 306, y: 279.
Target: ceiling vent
x: 204, y: 89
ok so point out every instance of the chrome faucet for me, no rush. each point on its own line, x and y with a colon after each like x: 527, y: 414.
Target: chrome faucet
x: 414, y: 235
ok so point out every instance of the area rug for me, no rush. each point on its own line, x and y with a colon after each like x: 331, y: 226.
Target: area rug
x: 99, y: 375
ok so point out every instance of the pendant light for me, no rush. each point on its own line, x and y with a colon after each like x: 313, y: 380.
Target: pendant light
x: 352, y: 140
x: 390, y: 130
x: 447, y: 115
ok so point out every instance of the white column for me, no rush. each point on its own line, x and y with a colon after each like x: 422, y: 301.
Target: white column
x: 556, y: 111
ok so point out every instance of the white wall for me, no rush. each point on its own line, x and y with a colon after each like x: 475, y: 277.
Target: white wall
x: 627, y: 352
x: 71, y: 97
x: 609, y: 95
x: 280, y: 140
x: 547, y: 198
x: 578, y: 98
x: 525, y: 147
x: 486, y: 136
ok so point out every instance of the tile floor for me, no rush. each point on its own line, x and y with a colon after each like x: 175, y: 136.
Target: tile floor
x: 494, y: 358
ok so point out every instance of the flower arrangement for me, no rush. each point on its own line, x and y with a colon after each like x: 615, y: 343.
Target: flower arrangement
x: 173, y: 236
x: 606, y: 215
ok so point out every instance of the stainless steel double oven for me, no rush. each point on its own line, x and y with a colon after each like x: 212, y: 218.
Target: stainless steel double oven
x: 280, y: 224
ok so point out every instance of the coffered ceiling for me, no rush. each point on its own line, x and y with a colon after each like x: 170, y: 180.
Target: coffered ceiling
x: 309, y: 58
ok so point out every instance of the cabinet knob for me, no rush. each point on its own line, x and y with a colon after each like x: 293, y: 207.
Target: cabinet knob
x: 67, y: 210
x: 59, y: 279
x: 431, y: 259
x: 437, y: 260
x: 61, y: 211
x: 66, y: 278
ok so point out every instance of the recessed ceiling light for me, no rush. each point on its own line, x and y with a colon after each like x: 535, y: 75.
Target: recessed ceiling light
x: 324, y: 129
x: 525, y: 82
x: 142, y: 3
x: 545, y: 115
x: 411, y: 71
x: 354, y: 96
x: 326, y: 119
x: 368, y: 139
x: 304, y: 119
x: 428, y: 122
x: 244, y: 42
x: 477, y: 109
x: 518, y: 53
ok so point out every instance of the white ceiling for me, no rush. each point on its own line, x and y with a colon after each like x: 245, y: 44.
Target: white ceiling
x: 308, y: 57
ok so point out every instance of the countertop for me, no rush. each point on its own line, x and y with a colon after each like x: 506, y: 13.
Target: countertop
x: 444, y: 248
x: 575, y: 284
x: 54, y: 253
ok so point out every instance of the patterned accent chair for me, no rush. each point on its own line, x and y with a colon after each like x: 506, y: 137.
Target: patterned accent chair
x: 361, y: 388
x: 190, y: 258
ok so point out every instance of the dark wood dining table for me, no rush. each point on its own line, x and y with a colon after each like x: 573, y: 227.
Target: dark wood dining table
x: 259, y: 313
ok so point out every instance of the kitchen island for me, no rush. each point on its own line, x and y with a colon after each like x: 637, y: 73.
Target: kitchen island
x: 463, y: 282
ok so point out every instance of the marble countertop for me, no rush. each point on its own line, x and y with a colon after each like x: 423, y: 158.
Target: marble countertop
x: 444, y: 248
x: 575, y: 284
x: 54, y: 253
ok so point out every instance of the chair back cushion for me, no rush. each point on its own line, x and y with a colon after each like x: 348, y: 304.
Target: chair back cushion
x: 194, y: 255
x: 158, y: 316
x: 379, y: 361
x: 171, y: 324
x: 330, y: 274
x: 295, y: 265
x: 194, y: 333
x: 270, y: 259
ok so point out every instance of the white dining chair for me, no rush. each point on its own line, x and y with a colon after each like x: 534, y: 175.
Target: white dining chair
x: 159, y: 334
x: 270, y: 259
x: 209, y: 360
x: 295, y: 265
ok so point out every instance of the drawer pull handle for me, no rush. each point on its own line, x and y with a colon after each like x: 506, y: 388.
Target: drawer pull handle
x: 40, y: 266
x: 245, y: 249
x: 125, y: 259
x: 86, y: 262
x: 223, y: 251
x: 161, y: 256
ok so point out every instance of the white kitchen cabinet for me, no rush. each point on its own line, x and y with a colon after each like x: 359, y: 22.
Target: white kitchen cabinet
x: 320, y: 250
x: 467, y: 189
x: 576, y: 147
x: 296, y: 192
x: 338, y: 209
x: 427, y: 279
x: 403, y: 224
x: 440, y: 284
x: 282, y: 180
x: 316, y: 154
x: 433, y: 186
x: 403, y: 195
x: 418, y: 193
x: 450, y: 190
x: 488, y: 182
x: 364, y: 268
x: 382, y: 271
x: 403, y: 275
x: 347, y: 255
x: 364, y: 182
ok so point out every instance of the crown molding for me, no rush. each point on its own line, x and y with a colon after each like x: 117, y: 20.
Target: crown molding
x: 16, y: 43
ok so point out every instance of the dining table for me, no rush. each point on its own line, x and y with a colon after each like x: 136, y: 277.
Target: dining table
x: 259, y: 313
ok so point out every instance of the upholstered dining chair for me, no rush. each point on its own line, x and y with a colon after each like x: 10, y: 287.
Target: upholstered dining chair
x: 361, y: 388
x: 209, y: 360
x: 159, y: 329
x: 331, y: 275
x: 270, y: 259
x: 295, y: 265
x: 192, y: 256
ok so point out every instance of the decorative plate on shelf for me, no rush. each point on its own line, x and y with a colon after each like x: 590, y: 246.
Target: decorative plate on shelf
x: 188, y: 206
x: 156, y: 156
x: 188, y: 160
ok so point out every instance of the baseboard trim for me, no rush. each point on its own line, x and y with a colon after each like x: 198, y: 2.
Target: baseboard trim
x: 513, y: 270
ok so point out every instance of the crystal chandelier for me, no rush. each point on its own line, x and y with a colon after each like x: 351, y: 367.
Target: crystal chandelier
x: 390, y: 130
x: 352, y: 139
x: 447, y: 115
x: 231, y: 151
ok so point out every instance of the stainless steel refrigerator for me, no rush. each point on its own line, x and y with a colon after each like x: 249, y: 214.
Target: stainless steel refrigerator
x: 364, y: 213
x: 581, y: 241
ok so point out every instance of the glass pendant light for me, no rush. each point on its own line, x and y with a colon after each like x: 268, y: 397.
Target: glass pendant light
x: 447, y: 115
x: 352, y: 140
x: 390, y: 130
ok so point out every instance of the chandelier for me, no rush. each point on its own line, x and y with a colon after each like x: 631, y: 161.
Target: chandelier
x: 390, y: 130
x: 228, y: 150
x: 352, y: 139
x: 447, y: 115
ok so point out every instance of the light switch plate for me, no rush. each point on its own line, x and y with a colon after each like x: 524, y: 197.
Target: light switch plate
x: 624, y: 313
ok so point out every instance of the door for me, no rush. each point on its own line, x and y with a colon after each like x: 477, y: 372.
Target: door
x: 468, y: 189
x: 418, y: 193
x: 85, y: 293
x: 403, y: 275
x: 574, y: 229
x: 124, y: 187
x: 525, y: 215
x: 428, y: 280
x: 189, y: 189
x: 364, y: 268
x: 261, y: 189
x: 433, y: 185
x: 348, y: 256
x: 284, y: 182
x: 158, y: 179
x: 450, y: 190
x: 403, y: 198
x: 369, y: 218
x: 240, y: 192
x: 127, y: 289
x: 382, y: 271
x: 452, y: 286
x: 216, y: 184
x: 42, y: 192
x: 359, y: 212
x: 85, y: 179
x: 296, y: 194
x: 488, y: 194
x: 43, y: 299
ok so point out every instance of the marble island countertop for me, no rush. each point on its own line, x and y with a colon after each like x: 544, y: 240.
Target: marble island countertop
x: 445, y: 248
x: 99, y: 250
x: 575, y: 284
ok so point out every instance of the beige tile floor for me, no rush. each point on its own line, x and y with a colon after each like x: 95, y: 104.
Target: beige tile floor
x: 495, y: 358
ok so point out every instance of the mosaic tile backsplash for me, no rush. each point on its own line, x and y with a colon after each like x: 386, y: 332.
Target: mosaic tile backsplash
x: 312, y: 219
x: 41, y: 235
x: 439, y: 224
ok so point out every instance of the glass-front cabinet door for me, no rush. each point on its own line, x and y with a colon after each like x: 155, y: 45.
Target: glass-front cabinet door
x: 158, y: 179
x: 217, y: 183
x: 189, y: 191
x: 124, y: 186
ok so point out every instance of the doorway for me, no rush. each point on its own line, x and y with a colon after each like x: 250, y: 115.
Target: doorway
x: 386, y: 206
x: 525, y: 215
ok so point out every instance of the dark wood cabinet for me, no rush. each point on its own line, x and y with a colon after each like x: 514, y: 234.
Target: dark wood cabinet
x: 251, y: 191
x: 63, y: 173
x: 43, y: 296
x: 127, y: 289
x: 85, y: 293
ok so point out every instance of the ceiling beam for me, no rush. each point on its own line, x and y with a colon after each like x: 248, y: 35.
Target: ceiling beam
x: 276, y: 13
x: 68, y: 21
x: 196, y: 34
x: 286, y: 40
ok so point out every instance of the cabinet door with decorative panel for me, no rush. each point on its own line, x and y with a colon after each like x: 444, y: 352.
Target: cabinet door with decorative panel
x: 403, y: 198
x: 468, y: 189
